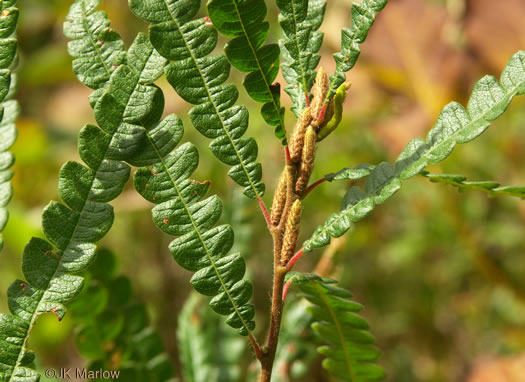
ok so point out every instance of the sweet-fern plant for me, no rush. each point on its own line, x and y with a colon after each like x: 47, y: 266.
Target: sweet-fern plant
x: 131, y: 131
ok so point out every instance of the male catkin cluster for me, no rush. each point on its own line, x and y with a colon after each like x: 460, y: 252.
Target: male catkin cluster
x: 287, y: 207
x: 302, y: 148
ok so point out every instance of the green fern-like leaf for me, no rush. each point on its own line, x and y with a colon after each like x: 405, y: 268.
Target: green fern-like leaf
x: 73, y: 228
x: 295, y: 351
x: 97, y: 50
x: 363, y: 17
x: 199, y: 79
x: 350, y: 352
x: 300, y: 20
x: 182, y: 211
x: 462, y: 184
x: 243, y: 21
x: 9, y: 108
x: 112, y: 327
x: 454, y: 125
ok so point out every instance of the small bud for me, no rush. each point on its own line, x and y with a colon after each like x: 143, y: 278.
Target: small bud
x: 319, y: 90
x: 291, y: 232
x: 307, y: 161
x: 279, y: 199
x: 297, y: 141
x: 333, y: 118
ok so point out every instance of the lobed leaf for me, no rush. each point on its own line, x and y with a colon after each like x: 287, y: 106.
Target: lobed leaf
x: 454, y: 125
x: 363, y: 17
x: 181, y: 210
x: 113, y: 329
x: 462, y: 184
x: 350, y: 352
x: 97, y: 50
x: 243, y: 21
x: 9, y: 108
x: 300, y: 21
x: 72, y: 229
x: 199, y: 79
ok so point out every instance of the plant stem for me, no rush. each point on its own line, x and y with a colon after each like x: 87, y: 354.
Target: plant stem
x: 265, y: 213
x: 312, y: 186
x: 270, y: 349
x: 294, y: 259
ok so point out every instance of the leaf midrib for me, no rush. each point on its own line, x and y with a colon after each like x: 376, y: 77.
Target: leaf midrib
x: 210, y: 98
x: 35, y: 315
x: 197, y: 231
x: 303, y: 76
x: 348, y: 362
x: 263, y: 75
x: 97, y: 50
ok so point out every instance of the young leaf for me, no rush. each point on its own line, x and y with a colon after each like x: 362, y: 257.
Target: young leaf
x: 85, y: 218
x: 363, y: 16
x: 300, y: 20
x: 9, y: 108
x: 350, y: 352
x: 462, y: 184
x: 243, y: 21
x: 199, y: 79
x: 454, y: 125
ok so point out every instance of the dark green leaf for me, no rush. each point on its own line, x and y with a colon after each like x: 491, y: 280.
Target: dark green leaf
x: 363, y: 16
x: 122, y: 108
x: 300, y: 20
x: 199, y: 79
x: 9, y: 108
x: 350, y: 352
x: 243, y: 21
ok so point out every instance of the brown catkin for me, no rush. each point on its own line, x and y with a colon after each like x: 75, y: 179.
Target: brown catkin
x: 297, y: 141
x: 319, y: 90
x: 291, y: 232
x: 307, y: 161
x: 279, y: 199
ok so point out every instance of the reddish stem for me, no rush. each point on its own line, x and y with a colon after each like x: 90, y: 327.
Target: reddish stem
x: 294, y: 259
x: 321, y: 114
x: 265, y: 213
x: 307, y: 98
x: 285, y: 288
x: 256, y: 347
x: 312, y: 186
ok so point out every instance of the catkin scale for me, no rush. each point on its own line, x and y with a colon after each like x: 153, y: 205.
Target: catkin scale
x: 291, y: 232
x: 297, y: 141
x: 279, y: 199
x: 319, y: 90
x: 307, y: 161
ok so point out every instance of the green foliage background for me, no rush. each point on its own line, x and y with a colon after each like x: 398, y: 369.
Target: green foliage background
x: 439, y: 272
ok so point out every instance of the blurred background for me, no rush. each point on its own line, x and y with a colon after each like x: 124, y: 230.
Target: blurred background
x: 440, y: 273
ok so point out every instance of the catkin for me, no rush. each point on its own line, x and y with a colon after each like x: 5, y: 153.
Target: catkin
x: 307, y: 161
x: 319, y: 90
x: 297, y: 141
x: 279, y: 199
x: 291, y: 232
